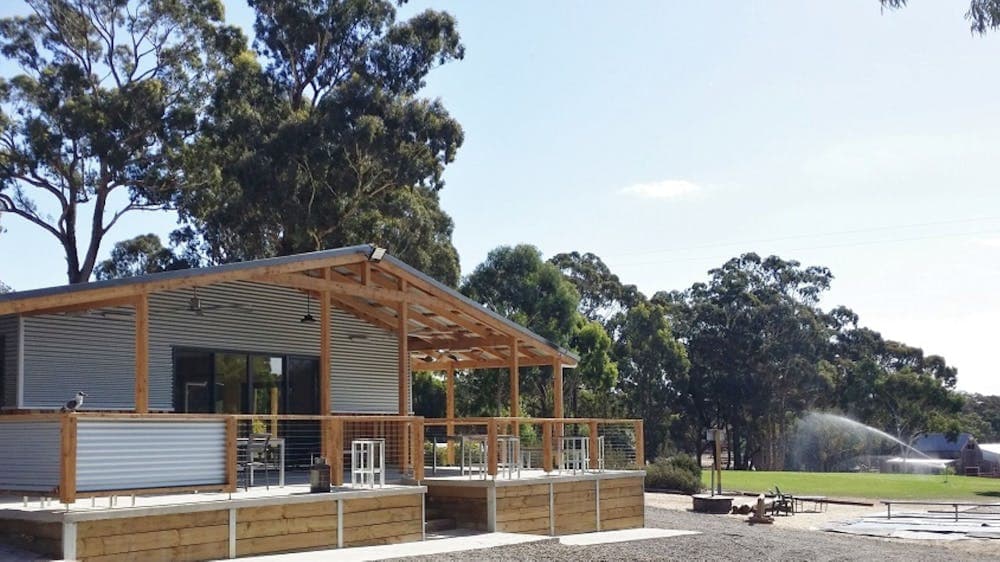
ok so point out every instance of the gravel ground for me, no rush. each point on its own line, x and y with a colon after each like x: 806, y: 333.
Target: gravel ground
x: 729, y: 537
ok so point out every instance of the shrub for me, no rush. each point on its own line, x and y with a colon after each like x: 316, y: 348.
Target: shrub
x: 679, y: 472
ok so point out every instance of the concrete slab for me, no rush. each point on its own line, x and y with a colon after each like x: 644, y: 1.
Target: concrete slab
x: 624, y: 535
x: 458, y: 542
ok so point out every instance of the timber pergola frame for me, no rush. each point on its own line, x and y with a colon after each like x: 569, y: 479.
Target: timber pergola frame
x: 438, y: 328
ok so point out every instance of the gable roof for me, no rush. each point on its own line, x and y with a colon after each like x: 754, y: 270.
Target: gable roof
x: 444, y: 327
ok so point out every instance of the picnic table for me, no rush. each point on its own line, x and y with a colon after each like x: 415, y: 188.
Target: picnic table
x: 956, y: 504
x: 819, y: 502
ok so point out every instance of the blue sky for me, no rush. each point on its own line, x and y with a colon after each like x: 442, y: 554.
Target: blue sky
x: 667, y: 137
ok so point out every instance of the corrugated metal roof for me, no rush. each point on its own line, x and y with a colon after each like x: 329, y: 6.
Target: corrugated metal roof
x: 249, y: 266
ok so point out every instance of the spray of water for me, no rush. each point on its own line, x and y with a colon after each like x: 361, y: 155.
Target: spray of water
x: 852, y: 425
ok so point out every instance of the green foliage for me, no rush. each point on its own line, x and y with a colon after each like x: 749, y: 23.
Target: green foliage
x: 678, y: 472
x: 516, y: 282
x: 103, y: 98
x: 429, y: 395
x: 5, y: 288
x: 139, y: 256
x: 982, y: 417
x: 317, y: 139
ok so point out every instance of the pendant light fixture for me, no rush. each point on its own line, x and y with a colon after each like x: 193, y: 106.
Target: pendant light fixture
x: 308, y: 318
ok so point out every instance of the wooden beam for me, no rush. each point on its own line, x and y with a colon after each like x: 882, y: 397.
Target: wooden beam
x: 458, y: 343
x: 109, y: 303
x: 594, y: 457
x: 404, y: 354
x: 325, y: 322
x: 515, y: 385
x: 142, y: 354
x: 231, y: 460
x: 547, y: 446
x: 491, y: 447
x: 557, y: 389
x: 369, y: 315
x: 336, y: 454
x: 418, y: 449
x: 640, y: 444
x: 84, y: 295
x: 449, y: 408
x: 370, y: 292
x: 67, y: 459
x: 475, y: 312
x: 481, y: 364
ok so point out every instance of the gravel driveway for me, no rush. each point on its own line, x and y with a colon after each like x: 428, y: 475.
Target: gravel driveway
x: 728, y: 537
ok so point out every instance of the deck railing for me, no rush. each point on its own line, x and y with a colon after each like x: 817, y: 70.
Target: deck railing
x: 541, y: 443
x: 88, y: 454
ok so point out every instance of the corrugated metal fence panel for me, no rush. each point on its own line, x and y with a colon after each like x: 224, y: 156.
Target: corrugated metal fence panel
x: 134, y: 454
x: 8, y: 333
x: 89, y: 352
x: 31, y: 461
x: 364, y: 367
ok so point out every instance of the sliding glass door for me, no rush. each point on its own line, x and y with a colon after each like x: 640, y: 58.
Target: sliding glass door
x: 226, y: 382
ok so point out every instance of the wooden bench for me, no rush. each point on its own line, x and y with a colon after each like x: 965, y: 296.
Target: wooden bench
x: 889, y: 503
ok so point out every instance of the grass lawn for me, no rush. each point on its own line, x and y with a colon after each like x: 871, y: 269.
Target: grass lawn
x: 863, y: 485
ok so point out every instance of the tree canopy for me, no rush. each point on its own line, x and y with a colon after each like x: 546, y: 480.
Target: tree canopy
x: 317, y: 138
x: 104, y: 98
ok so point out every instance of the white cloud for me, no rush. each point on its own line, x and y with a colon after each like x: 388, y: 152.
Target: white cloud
x: 666, y: 189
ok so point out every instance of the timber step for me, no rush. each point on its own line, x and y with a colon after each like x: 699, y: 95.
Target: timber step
x: 440, y: 524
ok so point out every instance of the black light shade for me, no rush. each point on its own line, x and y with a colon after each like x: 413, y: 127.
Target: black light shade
x: 308, y: 318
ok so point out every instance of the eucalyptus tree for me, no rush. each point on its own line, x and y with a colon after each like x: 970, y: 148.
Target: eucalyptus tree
x: 141, y: 255
x: 517, y: 283
x: 317, y: 137
x: 101, y: 98
x: 755, y: 337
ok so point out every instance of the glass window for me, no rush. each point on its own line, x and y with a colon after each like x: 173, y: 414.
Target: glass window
x: 244, y: 383
x: 192, y: 382
x: 267, y: 373
x: 231, y: 394
x: 302, y: 393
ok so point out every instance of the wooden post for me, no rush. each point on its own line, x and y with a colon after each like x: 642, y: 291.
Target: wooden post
x: 142, y: 354
x: 418, y: 449
x: 336, y: 460
x: 718, y: 454
x: 515, y: 386
x: 557, y: 394
x: 325, y: 319
x: 547, y: 446
x: 594, y: 460
x: 491, y: 446
x: 231, y: 448
x: 67, y: 459
x: 640, y: 445
x: 404, y: 353
x: 450, y: 412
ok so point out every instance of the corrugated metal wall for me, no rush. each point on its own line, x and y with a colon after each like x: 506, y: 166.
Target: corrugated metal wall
x: 134, y: 454
x: 90, y: 352
x: 31, y: 459
x: 8, y: 333
x: 95, y: 353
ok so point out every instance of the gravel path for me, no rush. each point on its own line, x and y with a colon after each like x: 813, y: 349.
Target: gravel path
x: 727, y: 537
